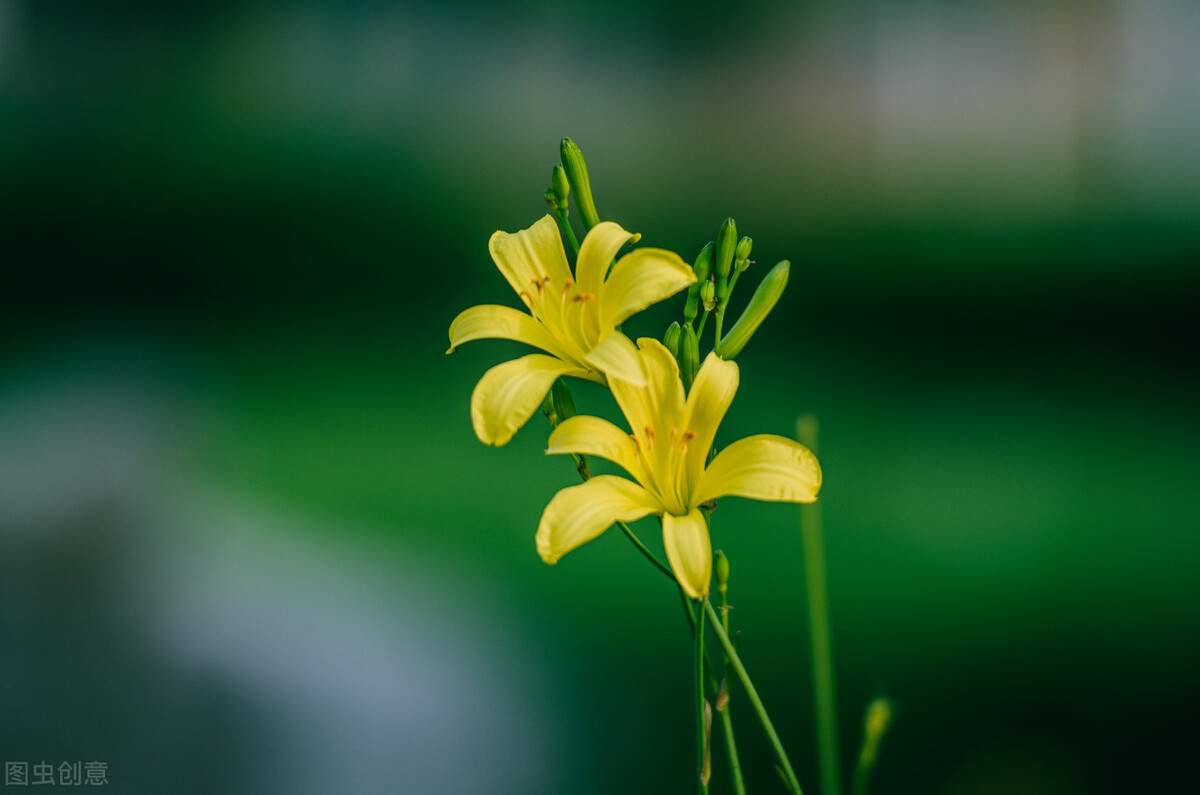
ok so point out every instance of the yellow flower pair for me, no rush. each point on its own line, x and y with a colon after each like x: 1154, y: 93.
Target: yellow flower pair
x: 574, y: 322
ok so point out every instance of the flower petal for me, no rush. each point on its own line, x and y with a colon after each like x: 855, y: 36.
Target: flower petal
x: 617, y: 356
x: 596, y: 253
x: 642, y: 277
x: 763, y: 467
x: 577, y: 514
x: 707, y: 402
x: 594, y: 436
x: 689, y: 551
x: 509, y: 393
x: 490, y: 321
x: 527, y: 257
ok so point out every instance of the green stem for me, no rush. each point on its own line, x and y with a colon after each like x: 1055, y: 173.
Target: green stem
x: 568, y: 232
x: 702, y: 758
x: 735, y: 764
x: 637, y: 542
x: 818, y: 620
x: 700, y: 328
x: 788, y: 773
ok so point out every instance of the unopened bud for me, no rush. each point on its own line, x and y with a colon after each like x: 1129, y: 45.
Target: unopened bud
x: 721, y: 570
x: 560, y: 185
x: 692, y: 307
x: 671, y: 338
x: 764, y: 300
x: 742, y: 254
x: 689, y: 356
x: 703, y: 264
x: 564, y: 404
x: 551, y: 199
x: 726, y: 243
x: 708, y: 294
x: 577, y: 177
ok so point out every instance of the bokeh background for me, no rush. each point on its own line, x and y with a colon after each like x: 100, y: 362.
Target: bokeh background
x: 249, y: 543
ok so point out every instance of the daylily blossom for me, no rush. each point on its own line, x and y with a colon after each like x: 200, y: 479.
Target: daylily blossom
x: 666, y: 454
x: 572, y: 317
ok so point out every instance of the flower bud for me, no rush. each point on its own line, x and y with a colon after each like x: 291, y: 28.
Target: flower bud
x: 726, y: 243
x: 551, y: 199
x: 742, y: 254
x: 564, y: 404
x: 577, y: 177
x: 671, y: 338
x: 764, y: 300
x: 703, y: 264
x: 721, y: 570
x: 560, y: 185
x: 689, y: 356
x: 692, y: 307
x: 708, y: 295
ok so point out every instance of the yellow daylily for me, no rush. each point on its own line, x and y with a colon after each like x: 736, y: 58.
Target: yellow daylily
x: 666, y: 455
x: 572, y: 317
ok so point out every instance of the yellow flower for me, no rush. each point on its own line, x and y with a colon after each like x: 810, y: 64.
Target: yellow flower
x: 666, y: 455
x: 572, y: 319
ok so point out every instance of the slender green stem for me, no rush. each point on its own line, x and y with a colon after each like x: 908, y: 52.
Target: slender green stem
x: 735, y: 764
x: 818, y: 620
x: 637, y: 542
x: 568, y: 231
x: 702, y: 758
x: 788, y: 773
x: 703, y: 320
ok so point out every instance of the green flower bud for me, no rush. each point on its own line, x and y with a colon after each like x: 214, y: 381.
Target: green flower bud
x: 577, y: 177
x: 549, y: 410
x: 558, y: 181
x: 703, y: 264
x: 671, y: 338
x: 764, y: 300
x: 742, y: 254
x: 692, y: 307
x: 689, y: 356
x: 721, y: 570
x: 726, y: 243
x: 564, y: 404
x: 708, y: 294
x: 551, y: 199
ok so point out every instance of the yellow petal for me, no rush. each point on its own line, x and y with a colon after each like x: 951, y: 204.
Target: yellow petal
x: 707, y: 402
x: 689, y: 551
x: 594, y: 436
x: 643, y: 277
x: 527, y: 257
x: 617, y: 356
x: 596, y: 254
x: 490, y: 321
x: 763, y: 467
x: 509, y: 393
x: 578, y: 514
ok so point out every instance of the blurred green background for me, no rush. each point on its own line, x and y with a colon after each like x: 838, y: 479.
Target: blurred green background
x: 249, y: 543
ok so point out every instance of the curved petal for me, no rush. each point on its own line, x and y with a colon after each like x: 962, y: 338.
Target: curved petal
x: 490, y: 321
x: 642, y: 277
x: 707, y: 402
x: 509, y: 393
x: 596, y: 253
x: 577, y: 514
x: 594, y: 436
x: 617, y: 356
x: 527, y: 257
x: 689, y: 551
x: 763, y: 467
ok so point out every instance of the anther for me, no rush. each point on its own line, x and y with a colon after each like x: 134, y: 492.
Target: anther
x: 650, y: 434
x: 527, y: 298
x: 687, y: 437
x: 583, y: 297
